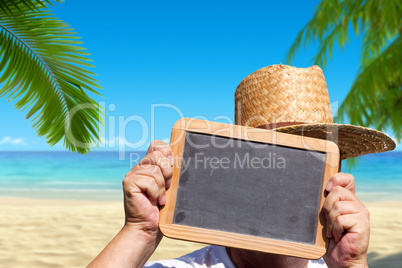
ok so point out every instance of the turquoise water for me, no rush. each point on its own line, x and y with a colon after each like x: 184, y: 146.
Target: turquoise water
x: 98, y: 175
x: 379, y: 176
x: 64, y: 175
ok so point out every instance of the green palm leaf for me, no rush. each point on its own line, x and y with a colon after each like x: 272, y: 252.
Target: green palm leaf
x: 11, y: 7
x: 377, y: 93
x: 42, y: 67
x: 375, y: 98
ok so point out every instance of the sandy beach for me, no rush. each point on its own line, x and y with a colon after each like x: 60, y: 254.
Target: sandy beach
x: 63, y: 233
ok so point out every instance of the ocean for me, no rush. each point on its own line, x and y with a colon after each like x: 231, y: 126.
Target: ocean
x: 98, y: 175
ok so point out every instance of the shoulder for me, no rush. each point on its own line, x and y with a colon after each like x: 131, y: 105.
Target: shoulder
x: 211, y: 256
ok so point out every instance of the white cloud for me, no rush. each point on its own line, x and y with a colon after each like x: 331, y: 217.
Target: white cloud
x: 5, y: 140
x: 17, y: 141
x: 10, y: 140
x: 118, y: 142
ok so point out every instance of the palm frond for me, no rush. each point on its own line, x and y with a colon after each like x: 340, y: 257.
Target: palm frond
x: 12, y: 7
x: 379, y: 23
x: 377, y: 93
x: 316, y: 29
x: 42, y: 68
x: 375, y: 98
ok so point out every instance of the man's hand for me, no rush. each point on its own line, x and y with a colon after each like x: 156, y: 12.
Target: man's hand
x: 348, y: 224
x: 144, y: 189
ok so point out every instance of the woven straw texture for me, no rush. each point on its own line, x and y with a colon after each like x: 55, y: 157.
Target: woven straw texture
x: 281, y: 93
x: 352, y: 140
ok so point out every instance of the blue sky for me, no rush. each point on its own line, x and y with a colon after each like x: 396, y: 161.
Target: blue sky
x: 182, y: 58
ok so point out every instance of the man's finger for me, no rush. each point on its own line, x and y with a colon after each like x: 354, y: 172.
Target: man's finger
x: 162, y: 147
x: 156, y: 158
x: 156, y: 173
x: 341, y: 179
x: 340, y: 208
x: 337, y: 194
x: 143, y: 184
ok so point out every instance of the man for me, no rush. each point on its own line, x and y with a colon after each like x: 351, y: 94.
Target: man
x: 347, y: 227
x: 144, y: 188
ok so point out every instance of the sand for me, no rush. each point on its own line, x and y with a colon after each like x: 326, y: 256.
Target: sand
x: 62, y: 233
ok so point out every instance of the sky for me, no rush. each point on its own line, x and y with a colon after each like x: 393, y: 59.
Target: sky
x: 158, y: 61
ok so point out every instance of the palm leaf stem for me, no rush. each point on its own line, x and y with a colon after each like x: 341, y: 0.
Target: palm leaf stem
x: 48, y: 70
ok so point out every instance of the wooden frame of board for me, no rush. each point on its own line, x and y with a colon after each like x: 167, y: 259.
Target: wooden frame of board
x: 229, y: 239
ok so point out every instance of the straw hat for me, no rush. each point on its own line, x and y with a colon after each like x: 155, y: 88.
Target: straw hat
x: 277, y: 96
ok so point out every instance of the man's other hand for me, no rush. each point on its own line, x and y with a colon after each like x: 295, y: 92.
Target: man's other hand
x: 144, y: 188
x: 348, y: 224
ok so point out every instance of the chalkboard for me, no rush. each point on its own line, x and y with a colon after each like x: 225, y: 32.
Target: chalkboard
x: 270, y: 194
x: 261, y: 188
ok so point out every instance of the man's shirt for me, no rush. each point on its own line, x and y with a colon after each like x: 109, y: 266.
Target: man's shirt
x: 211, y: 256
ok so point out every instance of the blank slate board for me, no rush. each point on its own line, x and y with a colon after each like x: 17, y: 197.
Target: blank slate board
x: 248, y: 188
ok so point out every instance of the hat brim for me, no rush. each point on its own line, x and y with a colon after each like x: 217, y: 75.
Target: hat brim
x: 352, y: 140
